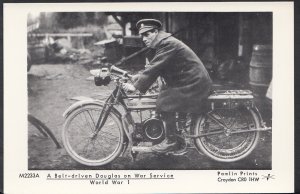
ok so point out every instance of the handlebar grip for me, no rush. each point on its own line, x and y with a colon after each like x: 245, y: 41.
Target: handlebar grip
x: 114, y: 69
x: 121, y: 72
x: 130, y: 77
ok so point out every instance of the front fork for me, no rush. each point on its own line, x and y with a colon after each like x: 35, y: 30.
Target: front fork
x: 102, y: 118
x: 108, y: 105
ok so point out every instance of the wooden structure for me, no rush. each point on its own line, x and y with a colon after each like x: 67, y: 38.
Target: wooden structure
x: 38, y: 42
x: 67, y: 35
x: 216, y: 37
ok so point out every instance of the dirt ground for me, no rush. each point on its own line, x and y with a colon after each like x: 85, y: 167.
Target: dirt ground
x: 50, y: 89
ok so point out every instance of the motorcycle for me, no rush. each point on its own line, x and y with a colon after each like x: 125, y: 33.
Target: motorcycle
x: 97, y: 132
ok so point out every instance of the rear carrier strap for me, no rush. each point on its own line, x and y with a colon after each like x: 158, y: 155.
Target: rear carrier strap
x: 228, y: 99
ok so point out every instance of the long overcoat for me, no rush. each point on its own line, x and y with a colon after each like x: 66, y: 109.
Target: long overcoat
x: 187, y: 82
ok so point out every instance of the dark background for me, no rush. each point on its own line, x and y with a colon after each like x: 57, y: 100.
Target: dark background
x: 297, y: 59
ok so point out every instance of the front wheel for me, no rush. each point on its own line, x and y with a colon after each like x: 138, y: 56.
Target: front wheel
x: 86, y: 148
x: 227, y: 139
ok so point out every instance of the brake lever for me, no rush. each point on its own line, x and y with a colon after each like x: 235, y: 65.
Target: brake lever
x: 124, y: 77
x: 128, y: 77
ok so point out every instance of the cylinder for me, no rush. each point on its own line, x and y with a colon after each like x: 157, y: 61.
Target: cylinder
x: 260, y: 73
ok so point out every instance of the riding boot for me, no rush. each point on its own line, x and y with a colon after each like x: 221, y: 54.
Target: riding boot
x: 170, y: 142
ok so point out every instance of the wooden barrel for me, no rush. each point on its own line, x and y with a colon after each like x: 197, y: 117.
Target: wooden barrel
x: 260, y: 69
x: 37, y: 54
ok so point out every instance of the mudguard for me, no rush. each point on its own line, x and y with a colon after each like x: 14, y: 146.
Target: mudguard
x: 82, y: 103
x: 91, y: 101
x: 256, y: 111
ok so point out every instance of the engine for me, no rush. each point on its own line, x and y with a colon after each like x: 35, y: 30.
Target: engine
x: 152, y: 129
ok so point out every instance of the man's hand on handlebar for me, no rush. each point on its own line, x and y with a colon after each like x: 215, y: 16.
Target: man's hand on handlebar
x: 134, y: 78
x: 128, y: 87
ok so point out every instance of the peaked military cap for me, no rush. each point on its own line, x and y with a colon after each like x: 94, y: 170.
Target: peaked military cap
x: 145, y: 25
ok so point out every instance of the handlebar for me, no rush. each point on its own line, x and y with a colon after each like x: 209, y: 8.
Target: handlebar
x: 129, y: 76
x: 105, y: 75
x: 120, y: 72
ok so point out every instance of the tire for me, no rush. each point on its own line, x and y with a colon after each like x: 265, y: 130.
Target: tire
x: 228, y: 147
x: 77, y: 133
x: 29, y: 62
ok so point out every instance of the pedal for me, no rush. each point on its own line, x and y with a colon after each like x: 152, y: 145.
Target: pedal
x: 177, y: 152
x: 133, y: 156
x: 143, y: 149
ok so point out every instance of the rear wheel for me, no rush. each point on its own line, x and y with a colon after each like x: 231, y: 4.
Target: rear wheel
x: 223, y: 141
x: 86, y: 148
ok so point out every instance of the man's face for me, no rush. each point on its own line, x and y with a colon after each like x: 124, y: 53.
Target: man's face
x: 149, y: 36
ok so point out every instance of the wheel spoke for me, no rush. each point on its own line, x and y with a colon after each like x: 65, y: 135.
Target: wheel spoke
x: 233, y: 144
x: 218, y: 121
x: 232, y: 123
x: 109, y: 134
x: 81, y: 142
x: 84, y: 123
x: 112, y: 140
x: 79, y: 127
x: 92, y: 119
x: 86, y: 148
x: 88, y: 122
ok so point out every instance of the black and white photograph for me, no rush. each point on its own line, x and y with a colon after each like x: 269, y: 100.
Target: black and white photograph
x: 114, y: 97
x: 149, y: 90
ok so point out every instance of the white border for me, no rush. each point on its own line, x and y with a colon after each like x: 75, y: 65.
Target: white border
x: 15, y: 104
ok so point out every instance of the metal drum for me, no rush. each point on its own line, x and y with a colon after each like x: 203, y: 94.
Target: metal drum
x: 261, y: 69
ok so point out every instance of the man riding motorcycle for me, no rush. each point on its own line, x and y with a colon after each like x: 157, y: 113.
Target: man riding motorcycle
x: 186, y: 82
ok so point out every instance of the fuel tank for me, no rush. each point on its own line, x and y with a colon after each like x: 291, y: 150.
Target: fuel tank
x: 139, y: 102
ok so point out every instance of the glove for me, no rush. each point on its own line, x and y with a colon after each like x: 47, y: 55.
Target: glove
x: 128, y: 87
x: 135, y: 77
